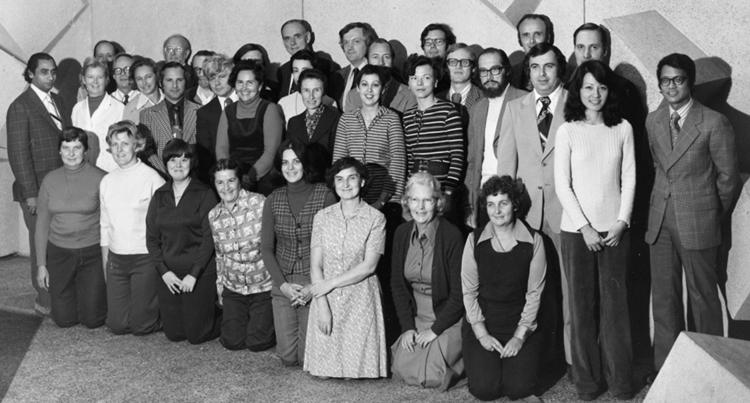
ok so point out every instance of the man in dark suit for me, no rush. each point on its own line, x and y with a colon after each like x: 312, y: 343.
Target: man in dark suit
x: 318, y: 123
x: 201, y: 94
x: 34, y: 124
x: 297, y: 35
x: 485, y: 119
x: 217, y: 69
x: 354, y: 40
x: 173, y: 117
x: 526, y: 150
x: 694, y: 186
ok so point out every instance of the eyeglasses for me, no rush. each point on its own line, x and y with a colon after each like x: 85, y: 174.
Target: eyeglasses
x: 463, y: 62
x: 494, y: 70
x: 174, y: 51
x: 434, y: 42
x: 676, y: 80
x: 427, y: 202
x: 121, y: 71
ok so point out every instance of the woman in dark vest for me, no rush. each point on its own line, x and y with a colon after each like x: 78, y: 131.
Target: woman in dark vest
x: 502, y: 276
x: 251, y: 130
x: 285, y: 242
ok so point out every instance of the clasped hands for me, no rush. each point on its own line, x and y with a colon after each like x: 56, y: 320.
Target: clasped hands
x: 412, y: 338
x: 298, y: 294
x: 175, y: 285
x: 594, y: 241
x: 511, y: 348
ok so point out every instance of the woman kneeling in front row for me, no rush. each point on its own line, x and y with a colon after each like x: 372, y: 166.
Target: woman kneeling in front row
x: 502, y: 275
x: 426, y: 284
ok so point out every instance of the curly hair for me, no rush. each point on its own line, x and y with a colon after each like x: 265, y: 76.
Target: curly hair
x: 513, y: 188
x: 574, y: 108
x: 424, y: 179
x: 129, y: 128
x: 342, y: 164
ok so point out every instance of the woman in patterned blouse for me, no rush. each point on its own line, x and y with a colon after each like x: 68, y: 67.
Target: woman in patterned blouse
x: 285, y: 242
x: 241, y: 277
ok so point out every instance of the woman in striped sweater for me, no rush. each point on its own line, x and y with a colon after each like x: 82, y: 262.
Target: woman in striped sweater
x: 433, y: 131
x: 595, y: 182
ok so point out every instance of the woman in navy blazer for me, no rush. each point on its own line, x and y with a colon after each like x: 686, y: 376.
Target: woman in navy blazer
x: 324, y: 131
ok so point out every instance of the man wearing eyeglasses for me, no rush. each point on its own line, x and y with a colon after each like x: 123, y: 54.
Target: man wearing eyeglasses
x: 461, y: 64
x: 484, y: 125
x: 201, y: 94
x: 435, y: 39
x: 177, y: 48
x: 354, y: 40
x: 121, y: 73
x: 694, y: 186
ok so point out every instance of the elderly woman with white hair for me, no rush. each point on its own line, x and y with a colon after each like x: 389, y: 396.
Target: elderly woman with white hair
x: 426, y: 286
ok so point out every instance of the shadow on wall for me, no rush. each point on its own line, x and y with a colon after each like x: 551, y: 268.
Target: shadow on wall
x: 68, y: 82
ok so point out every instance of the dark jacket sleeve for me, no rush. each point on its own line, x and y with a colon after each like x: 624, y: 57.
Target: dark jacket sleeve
x: 153, y: 235
x: 450, y: 251
x: 401, y: 293
x: 206, y: 249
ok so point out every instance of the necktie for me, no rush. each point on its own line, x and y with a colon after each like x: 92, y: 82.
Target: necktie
x: 354, y: 78
x: 544, y: 120
x: 228, y: 101
x: 125, y: 99
x: 176, y: 124
x: 456, y: 98
x: 53, y: 112
x: 674, y: 127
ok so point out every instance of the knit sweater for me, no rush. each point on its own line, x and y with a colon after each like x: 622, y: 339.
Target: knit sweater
x: 594, y: 174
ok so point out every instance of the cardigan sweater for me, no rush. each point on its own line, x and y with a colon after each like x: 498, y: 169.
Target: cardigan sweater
x: 447, y: 298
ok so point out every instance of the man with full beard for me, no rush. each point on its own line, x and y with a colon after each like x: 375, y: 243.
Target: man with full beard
x: 485, y: 117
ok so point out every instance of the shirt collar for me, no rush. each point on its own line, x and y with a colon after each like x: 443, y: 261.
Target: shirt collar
x: 683, y: 111
x: 520, y: 233
x: 429, y: 231
x: 41, y: 94
x: 464, y: 92
x: 143, y: 100
x: 553, y: 97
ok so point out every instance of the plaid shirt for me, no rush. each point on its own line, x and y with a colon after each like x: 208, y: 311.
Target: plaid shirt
x: 236, y: 233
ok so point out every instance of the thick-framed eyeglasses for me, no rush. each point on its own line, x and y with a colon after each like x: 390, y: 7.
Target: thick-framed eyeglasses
x: 676, y: 80
x: 494, y: 70
x: 452, y: 62
x: 434, y: 42
x: 121, y: 71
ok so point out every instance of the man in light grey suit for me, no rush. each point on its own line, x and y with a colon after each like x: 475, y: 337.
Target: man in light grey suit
x: 696, y: 178
x: 173, y: 117
x: 526, y: 150
x: 485, y: 119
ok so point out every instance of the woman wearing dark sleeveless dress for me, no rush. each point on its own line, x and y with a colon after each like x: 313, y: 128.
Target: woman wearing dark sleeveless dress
x: 285, y: 242
x: 502, y: 276
x: 251, y: 130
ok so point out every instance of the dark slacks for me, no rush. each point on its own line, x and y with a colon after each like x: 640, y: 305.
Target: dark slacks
x: 668, y: 258
x: 42, y: 299
x: 600, y: 332
x: 491, y: 376
x: 290, y: 323
x: 76, y: 285
x: 247, y: 321
x: 191, y: 316
x: 132, y: 303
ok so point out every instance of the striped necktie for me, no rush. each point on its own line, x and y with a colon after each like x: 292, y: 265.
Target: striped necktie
x: 544, y: 120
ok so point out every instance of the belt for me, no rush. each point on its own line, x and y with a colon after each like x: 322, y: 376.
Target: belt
x: 430, y: 166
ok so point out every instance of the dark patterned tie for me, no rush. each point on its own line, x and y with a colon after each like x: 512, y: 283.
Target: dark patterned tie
x: 125, y: 99
x: 674, y: 127
x: 456, y: 98
x: 354, y: 77
x: 228, y: 101
x: 544, y: 120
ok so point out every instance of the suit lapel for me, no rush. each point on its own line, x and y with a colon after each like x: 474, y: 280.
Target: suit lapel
x: 558, y: 117
x: 189, y: 122
x: 39, y: 108
x: 482, y: 109
x: 325, y: 121
x: 688, y: 134
x: 528, y: 120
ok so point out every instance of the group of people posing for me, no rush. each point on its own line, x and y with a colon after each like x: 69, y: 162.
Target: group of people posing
x: 334, y: 212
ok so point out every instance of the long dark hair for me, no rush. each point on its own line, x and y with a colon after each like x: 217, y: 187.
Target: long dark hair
x: 574, y: 108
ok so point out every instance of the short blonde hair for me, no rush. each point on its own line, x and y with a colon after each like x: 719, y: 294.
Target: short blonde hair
x: 424, y: 179
x: 131, y: 129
